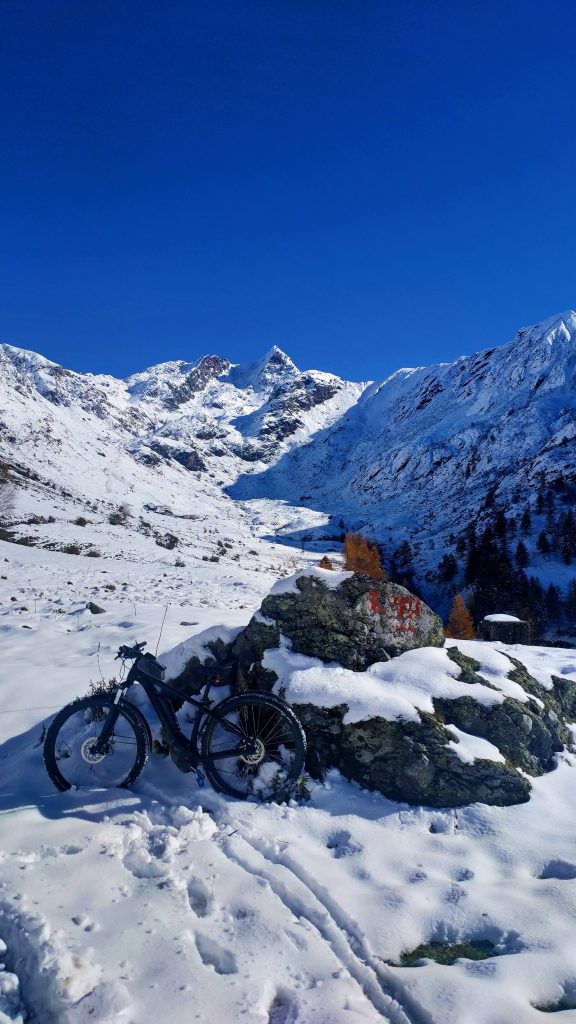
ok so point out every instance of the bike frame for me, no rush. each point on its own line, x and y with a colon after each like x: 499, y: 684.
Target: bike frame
x: 158, y: 693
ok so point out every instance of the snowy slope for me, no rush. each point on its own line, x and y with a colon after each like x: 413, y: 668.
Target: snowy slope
x: 260, y: 451
x: 171, y: 903
x: 165, y: 443
x: 418, y: 454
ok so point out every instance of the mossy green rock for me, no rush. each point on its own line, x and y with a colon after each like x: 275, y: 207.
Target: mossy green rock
x: 356, y: 624
x: 406, y: 761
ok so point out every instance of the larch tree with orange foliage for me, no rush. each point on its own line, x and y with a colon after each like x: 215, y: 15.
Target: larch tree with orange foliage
x: 460, y: 625
x: 361, y: 555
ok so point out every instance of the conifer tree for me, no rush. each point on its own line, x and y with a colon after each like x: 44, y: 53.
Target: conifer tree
x: 521, y: 555
x: 325, y: 563
x: 571, y: 604
x: 403, y: 561
x: 501, y: 526
x: 526, y: 522
x: 554, y: 605
x: 568, y: 536
x: 538, y: 616
x: 543, y: 544
x: 460, y: 625
x: 447, y: 568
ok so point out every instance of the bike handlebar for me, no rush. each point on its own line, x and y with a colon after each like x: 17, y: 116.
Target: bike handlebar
x: 130, y: 653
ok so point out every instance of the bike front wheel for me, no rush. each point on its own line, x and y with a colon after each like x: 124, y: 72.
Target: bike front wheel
x: 255, y: 747
x: 69, y: 748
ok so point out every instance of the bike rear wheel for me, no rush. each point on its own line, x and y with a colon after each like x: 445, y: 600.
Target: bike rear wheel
x: 69, y: 755
x: 277, y: 743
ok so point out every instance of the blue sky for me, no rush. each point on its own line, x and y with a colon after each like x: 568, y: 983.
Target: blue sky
x: 366, y: 184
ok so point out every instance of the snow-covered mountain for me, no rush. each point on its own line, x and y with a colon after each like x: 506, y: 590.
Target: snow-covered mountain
x: 418, y: 455
x: 166, y: 443
x: 426, y: 451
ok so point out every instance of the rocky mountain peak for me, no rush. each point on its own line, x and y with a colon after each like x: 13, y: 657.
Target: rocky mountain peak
x: 272, y: 370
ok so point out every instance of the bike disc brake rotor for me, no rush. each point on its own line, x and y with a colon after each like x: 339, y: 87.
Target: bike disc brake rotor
x: 89, y: 754
x: 257, y: 756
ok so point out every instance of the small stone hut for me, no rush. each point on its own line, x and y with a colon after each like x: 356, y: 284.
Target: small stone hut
x: 506, y: 628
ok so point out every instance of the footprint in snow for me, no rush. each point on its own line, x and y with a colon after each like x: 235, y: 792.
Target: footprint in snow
x: 464, y: 875
x: 214, y: 955
x: 140, y: 864
x: 342, y: 844
x: 561, y: 869
x: 85, y: 922
x: 282, y: 1009
x: 417, y: 876
x: 200, y: 900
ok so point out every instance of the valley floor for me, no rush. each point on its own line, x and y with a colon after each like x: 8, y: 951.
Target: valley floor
x: 170, y: 903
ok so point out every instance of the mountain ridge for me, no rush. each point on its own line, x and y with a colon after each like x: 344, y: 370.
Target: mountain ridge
x: 412, y: 456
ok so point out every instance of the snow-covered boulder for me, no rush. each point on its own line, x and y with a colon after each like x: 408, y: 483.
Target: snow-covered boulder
x: 436, y: 725
x: 339, y: 617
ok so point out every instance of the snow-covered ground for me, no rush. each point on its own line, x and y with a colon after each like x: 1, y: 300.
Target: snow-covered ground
x: 172, y: 903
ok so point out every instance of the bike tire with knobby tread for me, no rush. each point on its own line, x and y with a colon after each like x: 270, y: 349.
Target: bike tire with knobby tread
x: 231, y: 706
x: 105, y: 702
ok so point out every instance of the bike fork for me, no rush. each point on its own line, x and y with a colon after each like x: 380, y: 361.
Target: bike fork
x: 100, y: 745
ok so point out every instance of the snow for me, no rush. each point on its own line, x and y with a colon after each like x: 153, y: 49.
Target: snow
x: 396, y: 689
x: 197, y: 646
x: 406, y: 457
x: 169, y: 901
x: 418, y: 452
x: 500, y: 617
x: 472, y: 748
x: 172, y: 902
x: 331, y: 579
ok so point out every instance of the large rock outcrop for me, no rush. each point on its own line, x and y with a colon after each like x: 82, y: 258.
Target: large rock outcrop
x: 339, y: 617
x: 314, y: 638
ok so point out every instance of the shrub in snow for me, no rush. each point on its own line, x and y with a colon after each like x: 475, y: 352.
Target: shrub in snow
x: 119, y: 517
x: 71, y: 549
x: 166, y: 540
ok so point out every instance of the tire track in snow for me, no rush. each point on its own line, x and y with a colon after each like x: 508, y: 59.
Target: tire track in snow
x: 388, y: 981
x: 330, y: 923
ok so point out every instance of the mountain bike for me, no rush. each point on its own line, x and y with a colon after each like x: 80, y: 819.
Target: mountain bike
x: 249, y: 745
